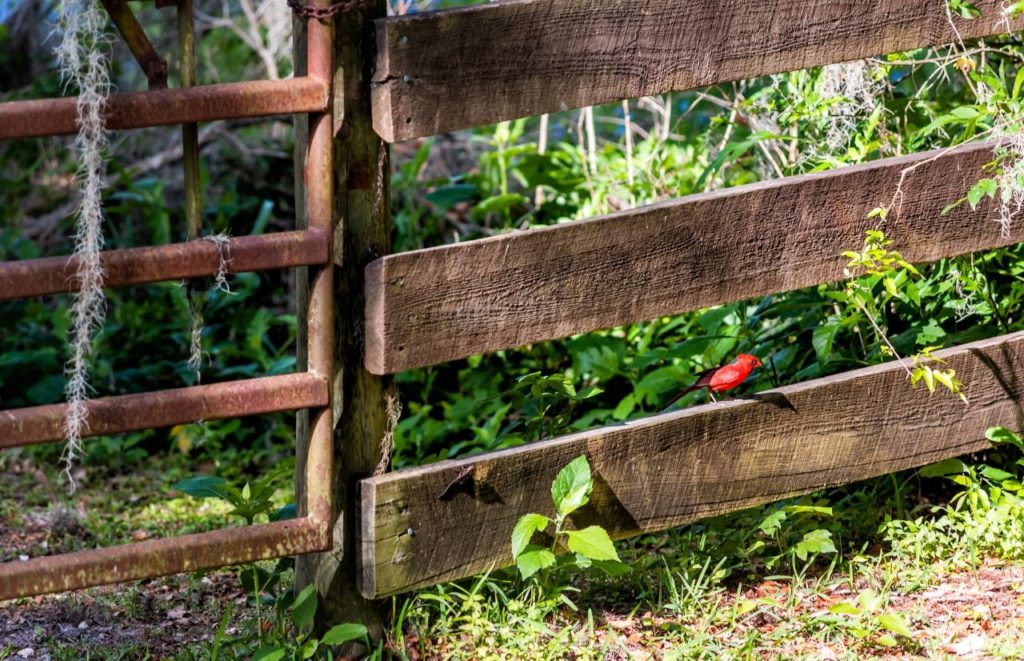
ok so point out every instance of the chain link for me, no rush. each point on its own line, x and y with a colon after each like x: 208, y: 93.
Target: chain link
x: 321, y: 13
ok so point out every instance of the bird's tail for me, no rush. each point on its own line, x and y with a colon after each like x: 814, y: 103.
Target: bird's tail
x: 682, y: 393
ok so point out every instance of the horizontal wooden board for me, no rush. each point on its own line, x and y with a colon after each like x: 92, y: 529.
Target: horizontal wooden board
x: 431, y: 306
x: 424, y: 526
x: 479, y: 65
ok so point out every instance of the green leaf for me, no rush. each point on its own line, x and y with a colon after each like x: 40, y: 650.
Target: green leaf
x: 895, y: 624
x: 965, y: 112
x: 572, y: 486
x: 772, y: 523
x: 308, y: 648
x: 304, y: 608
x: 996, y: 474
x: 208, y: 486
x: 808, y: 509
x: 289, y: 511
x: 844, y: 608
x: 613, y: 567
x: 815, y: 542
x: 929, y: 377
x: 887, y: 640
x: 496, y: 204
x: 823, y: 338
x: 1001, y: 435
x: 533, y: 560
x: 527, y: 525
x: 344, y: 633
x: 943, y: 468
x: 448, y: 196
x: 592, y: 542
x: 625, y: 407
x: 869, y: 600
x: 269, y: 653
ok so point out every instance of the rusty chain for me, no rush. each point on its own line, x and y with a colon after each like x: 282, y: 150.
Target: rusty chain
x: 320, y: 13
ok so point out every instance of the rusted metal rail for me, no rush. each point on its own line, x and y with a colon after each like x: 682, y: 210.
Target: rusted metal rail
x: 318, y: 180
x: 134, y: 110
x: 116, y: 415
x: 177, y: 261
x: 310, y: 389
x: 158, y: 557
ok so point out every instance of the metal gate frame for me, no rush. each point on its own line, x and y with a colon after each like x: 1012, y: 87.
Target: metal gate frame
x: 311, y: 389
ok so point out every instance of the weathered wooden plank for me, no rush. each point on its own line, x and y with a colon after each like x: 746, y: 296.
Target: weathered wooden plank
x: 430, y: 306
x: 670, y: 469
x: 478, y: 65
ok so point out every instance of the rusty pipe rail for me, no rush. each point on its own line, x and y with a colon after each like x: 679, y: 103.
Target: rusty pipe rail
x: 160, y: 557
x: 133, y: 110
x: 164, y: 408
x: 177, y: 261
x: 311, y: 389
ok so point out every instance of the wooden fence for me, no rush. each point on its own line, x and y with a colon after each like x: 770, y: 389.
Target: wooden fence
x: 459, y: 68
x: 445, y: 70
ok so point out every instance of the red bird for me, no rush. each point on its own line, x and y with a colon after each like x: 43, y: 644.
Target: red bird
x: 723, y: 378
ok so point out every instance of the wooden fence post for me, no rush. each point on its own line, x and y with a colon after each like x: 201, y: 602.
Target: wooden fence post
x: 362, y: 232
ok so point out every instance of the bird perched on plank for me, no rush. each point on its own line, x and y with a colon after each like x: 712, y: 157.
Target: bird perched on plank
x: 722, y: 379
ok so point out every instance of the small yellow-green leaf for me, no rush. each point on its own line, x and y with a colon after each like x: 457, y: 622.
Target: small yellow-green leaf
x: 895, y: 624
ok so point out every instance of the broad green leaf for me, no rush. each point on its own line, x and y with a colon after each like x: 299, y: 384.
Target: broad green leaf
x: 344, y: 633
x: 773, y: 522
x: 592, y: 542
x: 943, y: 468
x: 304, y: 608
x: 823, y: 338
x: 613, y: 567
x: 895, y: 624
x: 571, y: 488
x: 269, y: 653
x: 965, y: 112
x: 815, y: 542
x: 308, y: 648
x: 625, y: 407
x: 744, y: 606
x: 869, y: 600
x: 527, y: 525
x: 996, y: 474
x: 533, y: 560
x: 209, y: 486
x: 284, y: 513
x: 496, y: 204
x: 448, y: 196
x: 887, y: 640
x: 1000, y: 435
x: 844, y: 608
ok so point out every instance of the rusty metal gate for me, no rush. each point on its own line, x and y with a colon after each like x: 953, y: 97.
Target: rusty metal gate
x: 308, y: 246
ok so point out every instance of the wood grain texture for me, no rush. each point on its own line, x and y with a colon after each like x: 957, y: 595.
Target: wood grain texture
x: 674, y: 468
x: 454, y: 69
x: 439, y: 304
